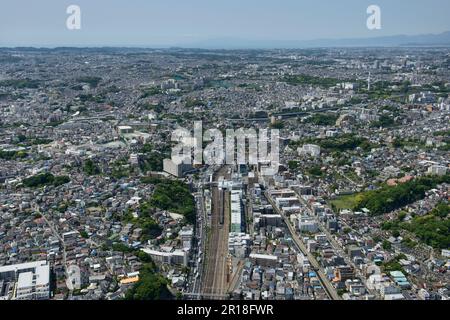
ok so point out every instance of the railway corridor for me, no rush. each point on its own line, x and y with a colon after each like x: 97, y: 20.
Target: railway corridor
x: 216, y: 277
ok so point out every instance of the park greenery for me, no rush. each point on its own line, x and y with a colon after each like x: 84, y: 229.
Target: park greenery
x: 385, y: 121
x: 90, y: 168
x: 20, y: 83
x: 158, y: 108
x: 293, y: 165
x: 91, y: 98
x: 408, y: 143
x: 395, y: 111
x: 386, y: 245
x: 190, y: 103
x: 152, y: 91
x: 45, y: 179
x: 12, y: 155
x: 153, y: 157
x: 443, y: 133
x: 315, y: 171
x: 342, y: 143
x: 322, y: 119
x: 151, y: 285
x: 311, y: 80
x: 91, y: 81
x: 121, y: 169
x: 345, y: 202
x: 25, y: 141
x: 390, y: 198
x: 394, y: 264
x: 145, y: 221
x: 36, y: 142
x: 174, y: 196
x: 432, y: 229
x: 84, y: 234
x: 345, y: 142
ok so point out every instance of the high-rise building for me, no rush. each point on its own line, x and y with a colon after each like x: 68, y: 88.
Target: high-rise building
x: 26, y: 281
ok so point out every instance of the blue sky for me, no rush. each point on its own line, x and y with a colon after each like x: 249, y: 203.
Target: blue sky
x: 182, y: 22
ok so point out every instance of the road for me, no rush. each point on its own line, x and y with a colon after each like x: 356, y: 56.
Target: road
x: 197, y: 258
x: 215, y: 282
x: 337, y: 247
x: 330, y: 290
x: 56, y: 234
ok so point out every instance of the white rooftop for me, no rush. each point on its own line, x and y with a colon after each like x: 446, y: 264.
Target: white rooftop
x: 25, y: 280
x: 22, y: 266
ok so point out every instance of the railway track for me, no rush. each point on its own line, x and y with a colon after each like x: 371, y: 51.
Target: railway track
x: 215, y: 282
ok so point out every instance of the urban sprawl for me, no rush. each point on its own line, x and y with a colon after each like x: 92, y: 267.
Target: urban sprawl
x: 92, y: 206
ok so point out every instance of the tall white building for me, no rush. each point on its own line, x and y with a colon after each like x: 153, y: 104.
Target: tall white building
x: 236, y: 211
x: 310, y: 149
x: 437, y: 170
x: 26, y: 281
x: 173, y: 257
x: 177, y: 170
x: 308, y: 224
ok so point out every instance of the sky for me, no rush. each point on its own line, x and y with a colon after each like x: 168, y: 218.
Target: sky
x: 162, y: 23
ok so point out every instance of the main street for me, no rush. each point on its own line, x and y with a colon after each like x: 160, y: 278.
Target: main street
x: 195, y: 280
x: 330, y: 290
x: 57, y: 235
x: 336, y: 245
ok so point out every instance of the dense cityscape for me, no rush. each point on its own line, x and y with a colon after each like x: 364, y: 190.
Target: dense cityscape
x: 93, y: 207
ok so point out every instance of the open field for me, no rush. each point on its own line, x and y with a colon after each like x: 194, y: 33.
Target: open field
x: 345, y: 202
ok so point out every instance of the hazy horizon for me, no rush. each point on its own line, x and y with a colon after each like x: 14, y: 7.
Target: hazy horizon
x: 176, y: 23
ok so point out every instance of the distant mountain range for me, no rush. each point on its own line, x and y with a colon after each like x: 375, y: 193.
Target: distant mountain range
x: 424, y: 40
x: 431, y: 40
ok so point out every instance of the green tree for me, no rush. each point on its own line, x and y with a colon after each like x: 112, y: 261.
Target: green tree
x: 90, y: 168
x: 387, y: 245
x: 151, y: 286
